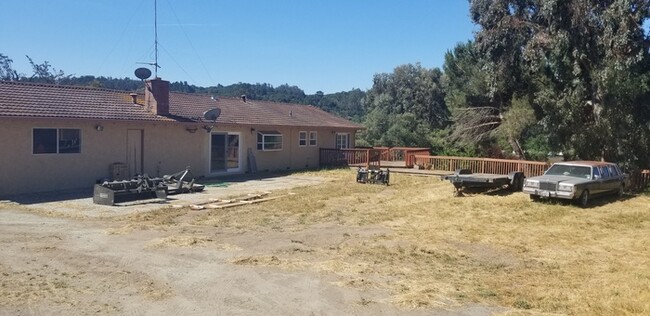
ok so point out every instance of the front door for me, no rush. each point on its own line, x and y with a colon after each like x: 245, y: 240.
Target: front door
x: 134, y: 157
x: 224, y: 152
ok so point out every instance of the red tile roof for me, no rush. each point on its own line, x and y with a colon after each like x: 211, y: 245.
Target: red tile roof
x: 253, y: 112
x: 20, y: 99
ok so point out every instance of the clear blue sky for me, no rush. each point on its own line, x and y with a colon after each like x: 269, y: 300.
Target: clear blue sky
x: 327, y: 45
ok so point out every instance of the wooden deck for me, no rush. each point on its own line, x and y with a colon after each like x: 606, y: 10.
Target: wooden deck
x: 391, y: 157
x: 482, y: 165
x: 403, y: 159
x: 407, y: 158
x: 392, y: 164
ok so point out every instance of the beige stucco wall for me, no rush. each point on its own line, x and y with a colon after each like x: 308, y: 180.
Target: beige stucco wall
x: 292, y: 156
x: 167, y: 148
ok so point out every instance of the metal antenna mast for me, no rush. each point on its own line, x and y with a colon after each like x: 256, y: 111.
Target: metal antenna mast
x: 144, y: 73
x: 155, y: 26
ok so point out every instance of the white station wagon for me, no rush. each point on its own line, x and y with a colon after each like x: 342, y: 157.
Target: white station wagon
x: 577, y: 180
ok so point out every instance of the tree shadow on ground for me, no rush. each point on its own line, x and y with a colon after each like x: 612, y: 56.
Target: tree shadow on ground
x: 504, y: 191
x: 596, y: 201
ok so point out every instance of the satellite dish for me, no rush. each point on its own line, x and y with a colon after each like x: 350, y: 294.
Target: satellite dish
x: 212, y: 115
x: 142, y: 73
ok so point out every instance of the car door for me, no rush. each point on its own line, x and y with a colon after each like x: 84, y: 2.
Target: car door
x: 604, y: 177
x: 594, y: 185
x: 613, y: 183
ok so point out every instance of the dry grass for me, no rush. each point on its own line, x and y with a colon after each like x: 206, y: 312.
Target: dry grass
x: 158, y: 219
x: 493, y: 249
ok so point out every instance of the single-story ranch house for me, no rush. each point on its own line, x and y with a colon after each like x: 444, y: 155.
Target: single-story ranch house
x: 62, y: 137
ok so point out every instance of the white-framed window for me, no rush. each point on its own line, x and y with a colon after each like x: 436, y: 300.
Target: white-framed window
x: 342, y: 140
x: 302, y: 139
x: 269, y: 141
x: 56, y: 141
x: 313, y: 138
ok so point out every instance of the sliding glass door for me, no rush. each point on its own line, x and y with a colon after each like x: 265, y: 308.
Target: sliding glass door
x: 224, y: 152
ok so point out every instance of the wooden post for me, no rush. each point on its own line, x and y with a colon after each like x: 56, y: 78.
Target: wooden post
x: 368, y: 159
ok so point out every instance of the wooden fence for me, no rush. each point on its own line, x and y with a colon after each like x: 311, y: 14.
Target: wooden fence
x: 362, y: 157
x: 481, y: 165
x: 639, y: 180
x: 370, y: 157
x: 405, y: 154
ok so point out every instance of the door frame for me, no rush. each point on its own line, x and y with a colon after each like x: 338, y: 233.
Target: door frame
x: 239, y: 153
x: 128, y: 151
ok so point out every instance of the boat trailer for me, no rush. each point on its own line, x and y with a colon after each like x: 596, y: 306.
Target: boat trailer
x: 463, y: 179
x: 142, y: 187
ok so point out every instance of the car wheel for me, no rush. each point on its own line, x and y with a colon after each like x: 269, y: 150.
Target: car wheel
x: 520, y: 182
x: 621, y: 191
x: 535, y: 198
x: 584, y: 198
x: 517, y: 182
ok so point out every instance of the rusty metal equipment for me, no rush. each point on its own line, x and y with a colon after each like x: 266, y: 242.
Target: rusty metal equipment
x: 375, y: 176
x: 139, y: 188
x: 181, y: 182
x: 142, y: 187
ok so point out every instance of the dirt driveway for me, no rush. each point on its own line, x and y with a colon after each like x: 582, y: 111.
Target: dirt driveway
x: 76, y: 258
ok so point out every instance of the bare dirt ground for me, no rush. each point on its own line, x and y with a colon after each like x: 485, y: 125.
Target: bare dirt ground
x: 76, y: 258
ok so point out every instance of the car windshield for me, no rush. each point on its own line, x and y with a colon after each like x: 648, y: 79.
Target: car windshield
x: 570, y: 171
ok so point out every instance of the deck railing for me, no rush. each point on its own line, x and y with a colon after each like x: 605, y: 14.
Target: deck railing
x: 481, y: 165
x: 362, y: 157
x: 412, y: 153
x: 370, y: 157
x: 639, y: 180
x: 406, y: 154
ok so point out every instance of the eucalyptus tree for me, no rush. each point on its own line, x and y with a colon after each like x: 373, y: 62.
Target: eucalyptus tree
x: 482, y: 114
x: 7, y: 71
x: 583, y: 64
x: 404, y: 106
x: 44, y: 72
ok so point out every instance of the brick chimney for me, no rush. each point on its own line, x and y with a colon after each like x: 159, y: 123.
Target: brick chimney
x: 156, y: 96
